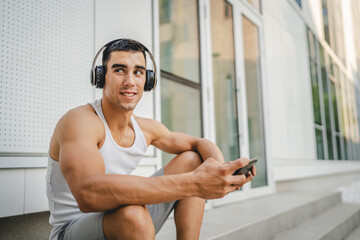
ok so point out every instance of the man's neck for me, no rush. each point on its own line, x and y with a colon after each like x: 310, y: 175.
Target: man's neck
x: 117, y: 119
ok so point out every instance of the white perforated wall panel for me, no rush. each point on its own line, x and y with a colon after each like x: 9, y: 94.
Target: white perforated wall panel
x: 46, y: 52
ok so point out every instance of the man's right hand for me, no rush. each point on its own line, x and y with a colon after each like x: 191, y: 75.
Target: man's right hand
x: 215, y: 180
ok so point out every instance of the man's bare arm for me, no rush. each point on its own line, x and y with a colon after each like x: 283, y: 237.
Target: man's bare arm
x: 84, y: 170
x: 176, y: 142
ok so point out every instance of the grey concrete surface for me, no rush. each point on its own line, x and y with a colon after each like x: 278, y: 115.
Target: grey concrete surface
x: 335, y: 223
x: 355, y: 235
x: 30, y: 227
x: 259, y: 218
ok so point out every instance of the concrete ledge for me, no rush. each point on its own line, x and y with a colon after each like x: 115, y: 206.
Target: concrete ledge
x: 324, y: 182
x: 23, y: 162
x: 286, y: 170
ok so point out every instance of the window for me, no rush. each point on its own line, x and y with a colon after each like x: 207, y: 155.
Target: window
x: 326, y: 103
x: 355, y: 12
x: 254, y: 99
x: 315, y: 86
x: 180, y: 68
x: 335, y: 121
x: 335, y: 102
x: 179, y: 39
x: 353, y: 133
x: 345, y: 116
x: 298, y: 2
x: 223, y: 58
x: 179, y: 111
x: 314, y: 79
x: 325, y: 13
x: 333, y: 26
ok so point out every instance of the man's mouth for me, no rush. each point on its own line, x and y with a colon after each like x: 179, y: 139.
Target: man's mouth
x: 128, y: 94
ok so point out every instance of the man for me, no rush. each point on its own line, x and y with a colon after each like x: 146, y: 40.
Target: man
x: 95, y: 147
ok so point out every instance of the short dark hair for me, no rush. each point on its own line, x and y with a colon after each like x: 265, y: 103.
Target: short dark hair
x: 126, y: 45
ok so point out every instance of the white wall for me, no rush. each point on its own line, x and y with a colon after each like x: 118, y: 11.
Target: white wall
x: 289, y: 90
x: 45, y: 65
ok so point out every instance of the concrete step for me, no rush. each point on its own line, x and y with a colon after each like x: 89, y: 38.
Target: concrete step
x: 354, y: 235
x: 335, y: 223
x: 259, y: 218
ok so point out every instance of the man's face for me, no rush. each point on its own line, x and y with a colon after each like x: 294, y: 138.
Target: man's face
x: 125, y: 79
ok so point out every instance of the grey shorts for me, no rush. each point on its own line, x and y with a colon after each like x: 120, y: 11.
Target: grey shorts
x: 89, y: 225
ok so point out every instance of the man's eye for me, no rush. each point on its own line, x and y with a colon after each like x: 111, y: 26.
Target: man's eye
x: 120, y: 70
x: 138, y: 72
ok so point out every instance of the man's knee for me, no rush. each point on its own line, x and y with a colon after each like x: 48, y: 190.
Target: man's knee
x: 135, y: 214
x: 184, y: 162
x: 192, y: 159
x: 129, y: 220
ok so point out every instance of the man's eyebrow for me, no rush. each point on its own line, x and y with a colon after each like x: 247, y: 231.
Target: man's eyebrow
x: 116, y: 65
x: 141, y: 67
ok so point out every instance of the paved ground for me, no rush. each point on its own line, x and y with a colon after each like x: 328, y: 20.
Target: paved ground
x: 351, y: 192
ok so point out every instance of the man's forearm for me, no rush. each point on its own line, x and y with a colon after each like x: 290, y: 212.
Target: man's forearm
x: 108, y: 192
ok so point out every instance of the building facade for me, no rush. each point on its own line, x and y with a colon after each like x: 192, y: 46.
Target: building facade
x: 274, y: 80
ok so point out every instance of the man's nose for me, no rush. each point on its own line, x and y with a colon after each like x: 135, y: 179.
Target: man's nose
x: 129, y: 79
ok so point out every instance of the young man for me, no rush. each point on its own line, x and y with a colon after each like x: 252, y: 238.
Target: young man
x: 95, y: 147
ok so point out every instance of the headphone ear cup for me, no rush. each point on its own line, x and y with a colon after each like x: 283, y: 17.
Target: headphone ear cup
x: 99, y: 76
x: 150, y: 81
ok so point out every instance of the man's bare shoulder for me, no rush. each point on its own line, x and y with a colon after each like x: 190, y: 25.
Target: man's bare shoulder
x: 80, y: 124
x: 148, y: 124
x: 81, y: 121
x: 151, y: 128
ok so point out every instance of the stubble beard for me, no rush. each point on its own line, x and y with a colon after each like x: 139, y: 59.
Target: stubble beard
x: 127, y: 106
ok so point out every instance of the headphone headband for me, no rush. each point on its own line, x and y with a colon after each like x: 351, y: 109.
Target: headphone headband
x: 94, y: 75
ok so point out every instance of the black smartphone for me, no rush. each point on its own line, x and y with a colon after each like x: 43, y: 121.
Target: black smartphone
x: 246, y: 170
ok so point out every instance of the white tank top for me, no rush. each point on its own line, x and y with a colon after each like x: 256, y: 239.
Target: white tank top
x: 118, y: 160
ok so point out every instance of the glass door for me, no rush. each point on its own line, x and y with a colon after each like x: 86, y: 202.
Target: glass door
x: 255, y: 120
x: 236, y: 39
x: 224, y: 78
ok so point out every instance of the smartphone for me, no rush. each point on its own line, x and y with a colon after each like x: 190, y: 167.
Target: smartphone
x: 246, y: 170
